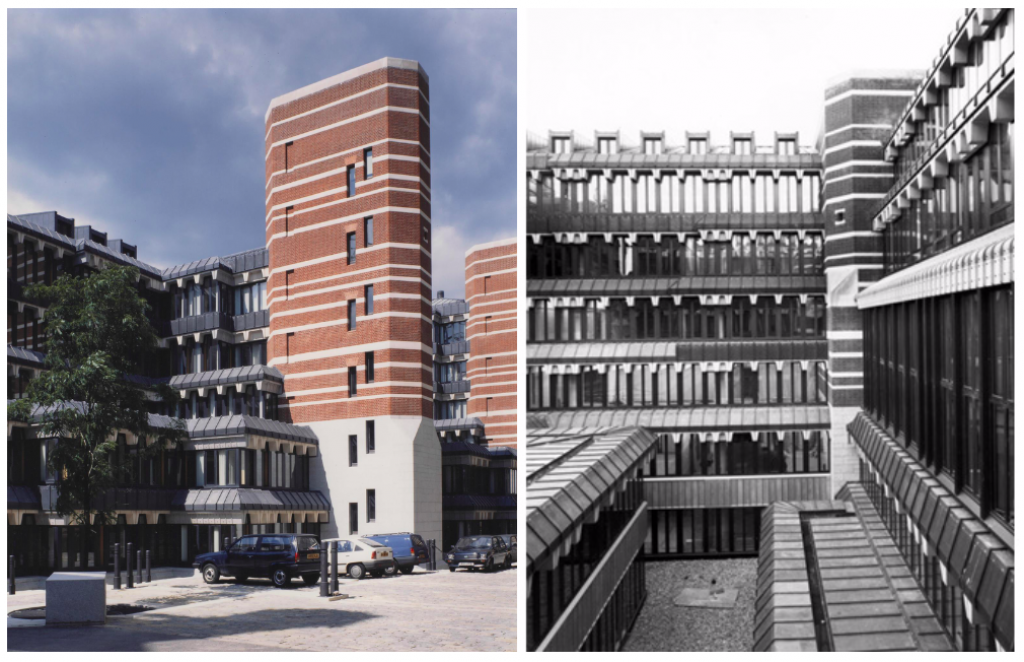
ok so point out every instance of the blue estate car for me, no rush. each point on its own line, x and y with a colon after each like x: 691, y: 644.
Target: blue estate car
x: 409, y: 550
x: 279, y: 556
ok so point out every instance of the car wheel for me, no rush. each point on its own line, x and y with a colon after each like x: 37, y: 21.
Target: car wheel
x: 451, y: 568
x: 377, y: 573
x: 508, y: 562
x: 211, y: 575
x: 280, y: 578
x: 356, y: 571
x: 311, y: 579
x: 241, y: 578
x: 408, y: 570
x: 391, y: 570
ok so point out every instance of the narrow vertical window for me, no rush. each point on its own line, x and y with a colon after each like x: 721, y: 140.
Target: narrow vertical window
x: 369, y: 367
x: 353, y: 450
x: 352, y: 315
x: 288, y: 146
x: 368, y: 231
x: 371, y: 439
x: 368, y: 297
x: 288, y: 219
x: 371, y: 505
x: 353, y: 518
x: 487, y: 284
x: 350, y: 242
x: 351, y: 181
x: 352, y: 381
x: 367, y: 163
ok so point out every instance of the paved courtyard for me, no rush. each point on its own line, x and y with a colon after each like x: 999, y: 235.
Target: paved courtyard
x: 664, y: 626
x: 459, y: 611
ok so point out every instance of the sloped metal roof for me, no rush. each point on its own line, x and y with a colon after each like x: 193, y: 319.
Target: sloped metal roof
x: 690, y: 285
x: 447, y: 307
x: 635, y: 160
x: 90, y: 246
x: 227, y: 376
x: 452, y: 424
x: 546, y: 222
x: 256, y: 258
x: 25, y: 356
x: 569, y: 476
x: 42, y: 232
x: 748, y: 418
x: 650, y: 351
x: 243, y: 498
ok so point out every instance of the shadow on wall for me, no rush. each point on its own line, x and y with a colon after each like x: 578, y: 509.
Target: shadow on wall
x: 156, y: 631
x: 318, y: 481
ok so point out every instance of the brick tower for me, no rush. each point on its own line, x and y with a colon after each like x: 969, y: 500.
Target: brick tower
x: 348, y: 235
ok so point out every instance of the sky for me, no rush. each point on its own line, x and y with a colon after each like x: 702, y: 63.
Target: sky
x: 149, y: 125
x: 711, y: 70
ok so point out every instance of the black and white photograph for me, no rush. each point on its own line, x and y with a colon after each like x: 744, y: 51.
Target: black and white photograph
x: 769, y: 329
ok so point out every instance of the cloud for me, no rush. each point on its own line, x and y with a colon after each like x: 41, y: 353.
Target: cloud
x: 149, y: 124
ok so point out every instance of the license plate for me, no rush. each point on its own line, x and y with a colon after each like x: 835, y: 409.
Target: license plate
x: 313, y: 557
x: 466, y: 565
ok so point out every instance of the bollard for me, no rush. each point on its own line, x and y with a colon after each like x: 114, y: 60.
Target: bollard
x: 117, y: 565
x: 128, y: 561
x: 138, y: 567
x: 324, y: 578
x: 11, y: 588
x: 334, y: 568
x: 149, y: 569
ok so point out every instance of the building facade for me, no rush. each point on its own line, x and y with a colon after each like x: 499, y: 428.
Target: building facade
x: 808, y: 332
x: 241, y: 470
x: 349, y: 244
x: 319, y: 341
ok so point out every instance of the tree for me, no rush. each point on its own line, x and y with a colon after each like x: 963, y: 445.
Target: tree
x: 97, y: 335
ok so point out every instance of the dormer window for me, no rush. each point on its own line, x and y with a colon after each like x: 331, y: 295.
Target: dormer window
x: 652, y: 145
x: 741, y: 146
x: 607, y: 146
x: 697, y: 146
x: 787, y: 147
x: 560, y: 145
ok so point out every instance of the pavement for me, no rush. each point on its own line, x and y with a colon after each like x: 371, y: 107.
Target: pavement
x: 424, y: 611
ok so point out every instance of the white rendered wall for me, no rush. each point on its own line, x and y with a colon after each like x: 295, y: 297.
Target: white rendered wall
x: 405, y: 472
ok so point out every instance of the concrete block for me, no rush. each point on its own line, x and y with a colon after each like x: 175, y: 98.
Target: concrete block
x: 76, y: 598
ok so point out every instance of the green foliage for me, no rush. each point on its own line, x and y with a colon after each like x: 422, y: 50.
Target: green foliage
x: 97, y: 334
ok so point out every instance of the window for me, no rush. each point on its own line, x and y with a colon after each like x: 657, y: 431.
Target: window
x: 369, y: 367
x: 353, y: 519
x: 368, y: 231
x: 652, y: 146
x: 353, y: 450
x: 367, y: 163
x: 787, y: 147
x: 371, y: 439
x: 487, y: 284
x: 741, y: 146
x: 607, y: 146
x: 371, y: 505
x: 351, y: 181
x: 352, y: 315
x: 368, y: 297
x: 287, y: 147
x: 352, y: 381
x: 698, y: 146
x: 560, y: 145
x: 350, y: 241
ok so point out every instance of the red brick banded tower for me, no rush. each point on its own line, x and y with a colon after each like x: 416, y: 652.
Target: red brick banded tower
x: 348, y: 235
x: 491, y: 331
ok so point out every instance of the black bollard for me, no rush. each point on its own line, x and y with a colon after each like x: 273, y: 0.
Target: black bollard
x: 324, y: 577
x: 11, y: 588
x: 117, y: 565
x: 138, y: 567
x: 334, y: 568
x: 128, y: 560
x: 149, y: 569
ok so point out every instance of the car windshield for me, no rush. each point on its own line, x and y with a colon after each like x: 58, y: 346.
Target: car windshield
x: 473, y: 543
x: 371, y: 543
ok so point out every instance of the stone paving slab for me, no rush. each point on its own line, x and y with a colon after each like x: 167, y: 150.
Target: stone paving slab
x: 423, y: 611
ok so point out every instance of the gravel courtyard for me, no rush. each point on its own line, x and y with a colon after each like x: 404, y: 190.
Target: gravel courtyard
x: 662, y: 626
x: 459, y: 611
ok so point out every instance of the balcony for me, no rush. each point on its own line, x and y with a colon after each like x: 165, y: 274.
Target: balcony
x: 221, y: 321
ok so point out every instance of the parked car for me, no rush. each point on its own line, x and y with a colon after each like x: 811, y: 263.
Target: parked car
x: 479, y: 552
x: 279, y: 556
x: 358, y: 555
x: 510, y: 542
x: 409, y: 550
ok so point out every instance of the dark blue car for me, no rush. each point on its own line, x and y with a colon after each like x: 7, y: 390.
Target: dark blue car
x: 409, y: 550
x: 278, y: 556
